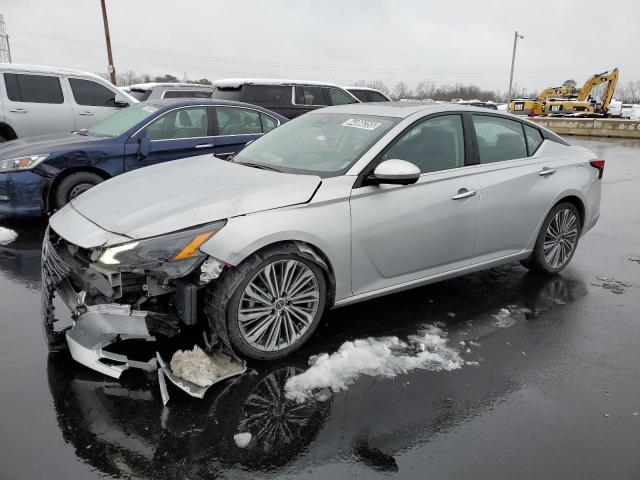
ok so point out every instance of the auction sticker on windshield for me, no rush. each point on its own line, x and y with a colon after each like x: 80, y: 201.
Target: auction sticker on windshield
x: 364, y: 124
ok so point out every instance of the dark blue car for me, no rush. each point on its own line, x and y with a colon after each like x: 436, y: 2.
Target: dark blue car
x: 41, y: 174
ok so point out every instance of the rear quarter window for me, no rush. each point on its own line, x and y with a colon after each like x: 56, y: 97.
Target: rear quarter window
x: 534, y: 138
x: 33, y: 88
x: 274, y: 94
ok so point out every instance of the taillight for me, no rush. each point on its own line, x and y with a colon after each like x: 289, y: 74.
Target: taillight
x: 599, y: 164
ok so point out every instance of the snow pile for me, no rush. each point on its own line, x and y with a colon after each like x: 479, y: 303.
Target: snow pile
x: 385, y: 357
x: 7, y: 236
x: 504, y: 319
x: 242, y: 439
x: 197, y: 367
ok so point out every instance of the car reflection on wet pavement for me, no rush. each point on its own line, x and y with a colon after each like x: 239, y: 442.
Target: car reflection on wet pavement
x: 553, y: 393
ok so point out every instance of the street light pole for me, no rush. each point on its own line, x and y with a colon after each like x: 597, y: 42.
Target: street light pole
x: 112, y: 70
x: 513, y: 61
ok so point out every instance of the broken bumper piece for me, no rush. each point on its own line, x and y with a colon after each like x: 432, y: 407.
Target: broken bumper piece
x: 102, y: 325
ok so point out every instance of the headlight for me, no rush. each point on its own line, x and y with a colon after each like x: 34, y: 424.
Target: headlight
x: 167, y: 248
x: 21, y: 163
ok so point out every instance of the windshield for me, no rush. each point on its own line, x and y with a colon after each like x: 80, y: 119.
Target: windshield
x: 227, y: 93
x: 139, y: 94
x: 121, y: 121
x: 318, y: 142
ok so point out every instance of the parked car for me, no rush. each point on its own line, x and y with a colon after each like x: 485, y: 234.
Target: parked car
x: 367, y: 95
x: 338, y: 206
x: 41, y: 174
x: 289, y: 98
x: 38, y: 100
x: 152, y: 91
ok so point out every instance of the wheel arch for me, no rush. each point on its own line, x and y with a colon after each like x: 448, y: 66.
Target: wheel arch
x: 313, y: 253
x: 49, y: 195
x: 7, y: 132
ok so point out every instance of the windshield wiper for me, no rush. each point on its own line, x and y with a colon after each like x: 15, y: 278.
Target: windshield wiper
x: 82, y: 132
x: 260, y: 166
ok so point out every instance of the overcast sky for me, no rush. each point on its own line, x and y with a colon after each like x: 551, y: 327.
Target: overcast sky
x: 341, y: 41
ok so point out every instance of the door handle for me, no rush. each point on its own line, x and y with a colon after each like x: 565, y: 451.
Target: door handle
x: 546, y: 171
x: 205, y: 145
x: 464, y: 193
x: 85, y: 113
x: 18, y: 110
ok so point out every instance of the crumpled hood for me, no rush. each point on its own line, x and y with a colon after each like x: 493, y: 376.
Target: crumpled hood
x: 183, y: 193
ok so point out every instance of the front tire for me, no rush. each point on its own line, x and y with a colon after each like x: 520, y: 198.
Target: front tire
x: 557, y: 240
x: 272, y: 302
x: 73, y: 185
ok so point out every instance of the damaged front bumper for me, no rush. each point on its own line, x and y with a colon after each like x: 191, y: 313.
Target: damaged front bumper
x: 98, y: 320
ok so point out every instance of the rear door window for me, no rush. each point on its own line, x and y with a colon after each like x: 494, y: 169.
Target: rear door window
x: 534, y: 138
x: 499, y: 138
x: 189, y: 122
x: 310, y: 96
x: 33, y: 88
x: 338, y: 97
x: 238, y: 121
x: 87, y: 92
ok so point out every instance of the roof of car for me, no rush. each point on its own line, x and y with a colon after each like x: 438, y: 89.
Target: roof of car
x: 238, y: 82
x: 150, y: 85
x: 400, y: 109
x: 17, y: 67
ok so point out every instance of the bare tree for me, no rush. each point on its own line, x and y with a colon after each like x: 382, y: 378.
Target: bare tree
x: 401, y: 90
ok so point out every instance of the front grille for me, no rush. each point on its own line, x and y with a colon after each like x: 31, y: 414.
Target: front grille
x: 54, y: 272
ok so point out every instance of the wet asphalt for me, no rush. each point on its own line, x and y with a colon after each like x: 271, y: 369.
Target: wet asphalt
x: 555, y: 395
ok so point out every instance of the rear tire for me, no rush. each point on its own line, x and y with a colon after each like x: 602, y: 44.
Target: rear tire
x: 73, y: 185
x: 557, y: 240
x: 285, y: 314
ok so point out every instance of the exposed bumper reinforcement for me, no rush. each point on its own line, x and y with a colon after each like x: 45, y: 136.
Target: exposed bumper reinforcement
x: 100, y: 326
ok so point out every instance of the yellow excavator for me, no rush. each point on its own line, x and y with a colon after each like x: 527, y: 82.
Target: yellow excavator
x: 584, y: 104
x: 535, y: 106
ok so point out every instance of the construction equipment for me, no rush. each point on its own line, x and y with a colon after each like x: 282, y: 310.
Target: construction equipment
x: 535, y: 106
x: 586, y: 104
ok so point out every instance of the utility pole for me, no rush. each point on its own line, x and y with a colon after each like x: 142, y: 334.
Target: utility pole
x: 5, y: 48
x: 513, y: 61
x: 111, y: 68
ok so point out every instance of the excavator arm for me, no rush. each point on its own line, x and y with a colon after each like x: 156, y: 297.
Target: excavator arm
x: 598, y: 79
x: 554, y: 92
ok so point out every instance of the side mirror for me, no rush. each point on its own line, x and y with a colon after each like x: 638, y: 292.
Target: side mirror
x: 144, y: 147
x: 395, y: 172
x: 120, y: 101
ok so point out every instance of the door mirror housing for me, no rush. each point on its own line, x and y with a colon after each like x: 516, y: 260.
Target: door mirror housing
x: 120, y: 101
x: 395, y: 172
x: 144, y: 147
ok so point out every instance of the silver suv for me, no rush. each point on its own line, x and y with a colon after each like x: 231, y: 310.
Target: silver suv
x: 40, y: 100
x: 153, y: 91
x: 337, y: 206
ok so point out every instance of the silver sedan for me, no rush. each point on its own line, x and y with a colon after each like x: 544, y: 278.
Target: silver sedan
x: 340, y: 205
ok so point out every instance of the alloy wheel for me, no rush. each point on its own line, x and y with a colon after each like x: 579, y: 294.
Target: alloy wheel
x: 561, y: 238
x: 278, y: 305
